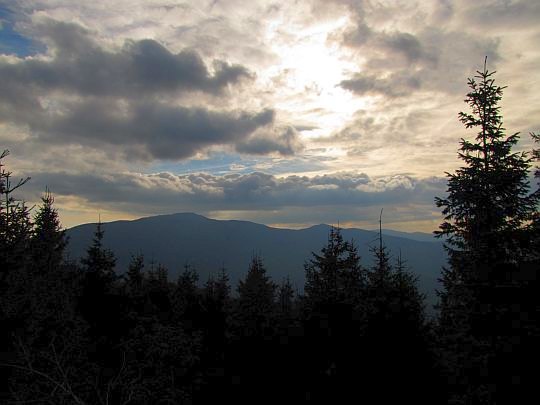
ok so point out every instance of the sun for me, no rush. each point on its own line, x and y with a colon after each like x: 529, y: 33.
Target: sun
x: 310, y: 69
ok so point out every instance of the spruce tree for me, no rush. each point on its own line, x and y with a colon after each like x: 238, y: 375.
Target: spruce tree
x: 186, y: 299
x: 486, y: 214
x: 256, y: 300
x: 98, y: 302
x: 285, y: 299
x: 99, y: 262
x: 333, y: 313
x: 15, y: 233
x: 135, y: 275
x: 535, y: 228
x: 334, y: 276
x: 488, y: 200
x: 49, y: 240
x: 15, y: 224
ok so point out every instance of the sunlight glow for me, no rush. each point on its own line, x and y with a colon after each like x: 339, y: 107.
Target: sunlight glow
x: 310, y: 70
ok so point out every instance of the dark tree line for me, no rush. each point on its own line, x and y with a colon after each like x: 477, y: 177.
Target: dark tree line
x: 87, y: 333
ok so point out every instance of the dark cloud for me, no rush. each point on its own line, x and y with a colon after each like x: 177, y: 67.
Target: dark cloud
x: 395, y: 85
x: 87, y: 95
x: 286, y: 142
x: 409, y: 46
x: 148, y: 130
x: 140, y: 68
x: 497, y: 14
x: 255, y: 191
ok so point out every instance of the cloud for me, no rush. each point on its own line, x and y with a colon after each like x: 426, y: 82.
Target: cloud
x: 286, y: 142
x: 419, y: 51
x: 394, y: 85
x: 496, y: 14
x: 145, y: 130
x: 255, y: 191
x: 122, y: 100
x: 140, y: 68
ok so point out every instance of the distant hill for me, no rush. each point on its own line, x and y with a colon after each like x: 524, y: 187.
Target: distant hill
x: 419, y: 236
x: 208, y: 244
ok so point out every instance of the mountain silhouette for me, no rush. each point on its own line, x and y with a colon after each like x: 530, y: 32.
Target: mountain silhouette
x: 207, y: 245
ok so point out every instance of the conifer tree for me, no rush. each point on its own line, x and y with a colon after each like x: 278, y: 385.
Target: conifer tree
x: 99, y: 262
x: 135, y: 275
x: 217, y: 292
x: 98, y: 300
x: 488, y: 199
x: 380, y: 278
x: 535, y: 228
x: 48, y: 239
x: 285, y: 298
x: 486, y: 214
x: 256, y: 300
x: 222, y: 286
x: 409, y: 300
x: 333, y: 312
x: 15, y: 233
x: 186, y: 300
x: 15, y: 224
x: 335, y: 276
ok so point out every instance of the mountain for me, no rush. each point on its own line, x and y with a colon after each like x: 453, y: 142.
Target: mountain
x: 419, y: 236
x: 207, y: 245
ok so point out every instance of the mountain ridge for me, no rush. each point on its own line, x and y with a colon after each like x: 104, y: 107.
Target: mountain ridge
x: 209, y: 244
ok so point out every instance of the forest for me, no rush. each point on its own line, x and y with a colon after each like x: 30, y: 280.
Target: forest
x: 88, y: 332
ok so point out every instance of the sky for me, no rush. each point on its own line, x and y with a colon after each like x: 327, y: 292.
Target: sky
x: 287, y: 113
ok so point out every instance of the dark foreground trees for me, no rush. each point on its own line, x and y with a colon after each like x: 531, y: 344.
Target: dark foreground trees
x: 489, y: 304
x: 367, y: 327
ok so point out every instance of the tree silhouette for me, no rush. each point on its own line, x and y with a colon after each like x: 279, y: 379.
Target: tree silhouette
x: 334, y: 313
x: 487, y: 210
x: 334, y: 276
x: 256, y: 301
x: 488, y: 198
x: 15, y: 224
x: 135, y: 275
x: 48, y: 241
x: 99, y: 262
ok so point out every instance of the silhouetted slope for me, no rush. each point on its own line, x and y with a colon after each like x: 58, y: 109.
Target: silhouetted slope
x: 207, y: 244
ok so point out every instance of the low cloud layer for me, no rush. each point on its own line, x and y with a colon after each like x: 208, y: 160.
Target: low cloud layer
x: 250, y: 192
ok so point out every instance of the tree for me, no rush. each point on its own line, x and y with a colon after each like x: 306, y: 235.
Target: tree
x: 135, y: 275
x: 488, y: 201
x: 396, y: 345
x: 15, y: 232
x: 334, y: 317
x: 99, y: 262
x: 487, y: 211
x: 15, y: 224
x: 48, y: 241
x: 256, y: 300
x: 334, y: 276
x: 186, y: 298
x: 380, y: 282
x: 536, y: 221
x: 216, y: 302
x: 285, y: 298
x: 100, y: 301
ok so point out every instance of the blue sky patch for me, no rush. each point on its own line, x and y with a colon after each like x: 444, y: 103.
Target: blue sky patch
x: 11, y: 41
